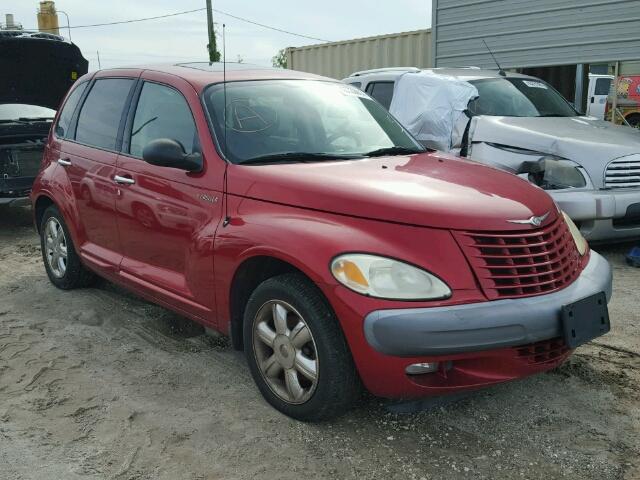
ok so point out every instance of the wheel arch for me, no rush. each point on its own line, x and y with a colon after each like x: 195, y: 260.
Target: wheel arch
x: 39, y: 207
x: 250, y: 273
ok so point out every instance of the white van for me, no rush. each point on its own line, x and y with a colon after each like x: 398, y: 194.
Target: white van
x: 599, y: 87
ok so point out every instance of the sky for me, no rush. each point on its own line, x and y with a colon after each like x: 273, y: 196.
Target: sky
x: 184, y: 38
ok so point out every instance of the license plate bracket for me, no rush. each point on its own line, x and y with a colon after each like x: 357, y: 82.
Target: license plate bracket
x: 584, y: 320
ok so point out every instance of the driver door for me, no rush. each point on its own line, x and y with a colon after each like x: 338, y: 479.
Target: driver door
x: 166, y: 216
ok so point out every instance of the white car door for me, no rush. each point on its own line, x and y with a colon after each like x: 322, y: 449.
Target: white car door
x: 598, y: 93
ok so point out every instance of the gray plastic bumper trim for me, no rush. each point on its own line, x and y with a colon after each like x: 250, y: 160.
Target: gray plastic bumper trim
x: 482, y: 326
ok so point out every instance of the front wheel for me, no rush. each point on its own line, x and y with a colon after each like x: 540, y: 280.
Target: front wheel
x: 296, y: 351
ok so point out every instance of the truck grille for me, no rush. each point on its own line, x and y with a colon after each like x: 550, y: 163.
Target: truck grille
x: 522, y: 263
x: 623, y: 173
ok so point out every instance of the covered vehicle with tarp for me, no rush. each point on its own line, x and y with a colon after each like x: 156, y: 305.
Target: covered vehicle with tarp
x: 432, y: 107
x: 36, y: 71
x: 521, y: 124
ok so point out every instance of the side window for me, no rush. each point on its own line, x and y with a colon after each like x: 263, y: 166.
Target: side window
x: 603, y: 85
x: 64, y: 120
x: 382, y: 92
x: 162, y: 112
x: 100, y: 116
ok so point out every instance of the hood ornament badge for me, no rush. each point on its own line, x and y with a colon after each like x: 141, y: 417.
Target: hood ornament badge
x: 535, y: 221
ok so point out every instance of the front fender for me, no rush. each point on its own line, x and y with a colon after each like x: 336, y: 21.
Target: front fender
x: 309, y: 240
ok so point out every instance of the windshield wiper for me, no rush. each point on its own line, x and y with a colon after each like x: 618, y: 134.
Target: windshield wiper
x: 393, y: 151
x: 12, y: 120
x: 299, y: 156
x: 34, y: 119
x: 553, y: 115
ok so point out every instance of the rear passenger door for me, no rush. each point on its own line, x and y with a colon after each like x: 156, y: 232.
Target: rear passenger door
x: 382, y: 92
x: 88, y: 153
x: 165, y: 215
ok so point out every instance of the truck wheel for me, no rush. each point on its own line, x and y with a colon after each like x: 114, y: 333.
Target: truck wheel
x: 59, y: 255
x: 634, y: 120
x: 296, y: 351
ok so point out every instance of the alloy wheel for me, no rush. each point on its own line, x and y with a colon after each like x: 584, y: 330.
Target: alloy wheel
x: 285, y: 352
x: 55, y: 247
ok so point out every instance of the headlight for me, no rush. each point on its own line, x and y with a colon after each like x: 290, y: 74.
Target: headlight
x: 387, y: 278
x: 581, y: 243
x: 556, y: 173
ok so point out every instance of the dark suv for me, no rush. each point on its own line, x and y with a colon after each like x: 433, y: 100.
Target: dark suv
x: 42, y: 68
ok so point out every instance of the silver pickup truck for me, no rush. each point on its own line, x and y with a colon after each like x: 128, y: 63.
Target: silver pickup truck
x: 523, y: 125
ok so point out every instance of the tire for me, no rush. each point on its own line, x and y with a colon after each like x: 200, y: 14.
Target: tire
x: 634, y: 120
x: 69, y: 273
x: 337, y: 384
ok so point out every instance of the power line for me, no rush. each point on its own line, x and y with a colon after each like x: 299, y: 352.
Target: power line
x: 157, y: 17
x: 138, y: 19
x: 269, y: 27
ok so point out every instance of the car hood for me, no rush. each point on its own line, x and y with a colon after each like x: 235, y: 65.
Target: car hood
x: 586, y: 140
x: 430, y: 189
x: 42, y: 70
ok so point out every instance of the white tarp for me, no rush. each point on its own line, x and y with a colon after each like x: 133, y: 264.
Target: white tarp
x: 430, y: 106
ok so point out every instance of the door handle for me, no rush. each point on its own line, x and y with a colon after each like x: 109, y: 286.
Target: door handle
x: 123, y: 180
x: 593, y: 99
x: 64, y: 162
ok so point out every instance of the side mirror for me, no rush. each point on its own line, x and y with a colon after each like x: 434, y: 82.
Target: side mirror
x: 165, y: 152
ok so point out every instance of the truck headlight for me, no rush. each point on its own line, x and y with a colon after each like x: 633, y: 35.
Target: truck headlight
x: 554, y: 173
x: 383, y: 277
x: 581, y: 243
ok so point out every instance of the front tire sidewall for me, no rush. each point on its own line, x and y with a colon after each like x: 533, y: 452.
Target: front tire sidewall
x: 335, y: 391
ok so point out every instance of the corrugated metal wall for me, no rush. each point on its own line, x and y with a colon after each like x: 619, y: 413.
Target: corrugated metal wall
x: 340, y: 59
x: 526, y: 33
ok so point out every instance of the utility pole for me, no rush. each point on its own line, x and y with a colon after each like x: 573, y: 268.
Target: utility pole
x: 214, y: 56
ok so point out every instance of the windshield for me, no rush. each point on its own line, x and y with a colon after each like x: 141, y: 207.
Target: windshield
x: 15, y: 111
x: 518, y: 97
x: 303, y: 120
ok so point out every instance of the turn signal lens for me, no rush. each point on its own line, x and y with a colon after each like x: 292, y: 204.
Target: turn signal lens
x: 581, y: 243
x: 348, y: 273
x: 383, y: 277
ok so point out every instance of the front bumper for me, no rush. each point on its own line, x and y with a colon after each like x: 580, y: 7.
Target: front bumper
x: 602, y: 214
x: 481, y: 326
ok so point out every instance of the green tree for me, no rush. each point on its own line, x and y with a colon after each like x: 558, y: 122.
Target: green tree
x: 280, y: 60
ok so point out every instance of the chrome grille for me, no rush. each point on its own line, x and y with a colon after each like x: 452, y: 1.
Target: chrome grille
x: 623, y: 173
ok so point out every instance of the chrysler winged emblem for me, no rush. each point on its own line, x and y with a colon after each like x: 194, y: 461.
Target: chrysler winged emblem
x: 535, y: 221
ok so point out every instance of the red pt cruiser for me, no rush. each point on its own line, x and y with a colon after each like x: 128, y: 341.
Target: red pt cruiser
x: 293, y: 213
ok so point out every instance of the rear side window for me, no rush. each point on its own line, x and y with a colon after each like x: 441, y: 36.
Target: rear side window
x: 382, y: 92
x: 100, y: 116
x: 603, y: 85
x: 64, y: 120
x: 162, y: 112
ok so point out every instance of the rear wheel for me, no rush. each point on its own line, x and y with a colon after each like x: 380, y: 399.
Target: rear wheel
x: 296, y: 351
x: 61, y: 261
x: 634, y: 120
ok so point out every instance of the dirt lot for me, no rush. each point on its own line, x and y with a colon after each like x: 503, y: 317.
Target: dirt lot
x: 99, y: 384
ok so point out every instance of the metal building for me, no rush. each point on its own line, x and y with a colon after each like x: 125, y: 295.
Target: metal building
x: 339, y: 59
x: 552, y: 39
x: 522, y: 33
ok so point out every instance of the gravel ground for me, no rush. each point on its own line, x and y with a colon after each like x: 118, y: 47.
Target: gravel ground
x: 99, y: 384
